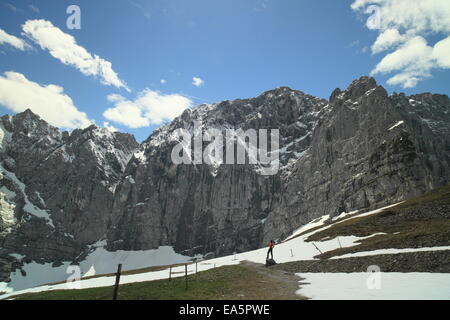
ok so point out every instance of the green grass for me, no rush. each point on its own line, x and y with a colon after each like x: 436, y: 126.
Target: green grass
x: 228, y: 282
x: 439, y: 195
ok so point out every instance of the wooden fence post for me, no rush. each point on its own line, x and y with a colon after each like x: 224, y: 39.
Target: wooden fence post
x: 116, y: 286
x: 170, y: 273
x: 185, y: 269
x: 317, y: 248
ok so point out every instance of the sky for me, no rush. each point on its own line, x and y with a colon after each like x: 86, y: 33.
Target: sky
x: 133, y: 65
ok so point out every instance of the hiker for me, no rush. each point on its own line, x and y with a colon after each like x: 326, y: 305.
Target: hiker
x: 271, y: 245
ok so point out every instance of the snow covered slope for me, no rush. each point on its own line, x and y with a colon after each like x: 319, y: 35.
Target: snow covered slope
x: 295, y: 248
x: 391, y: 286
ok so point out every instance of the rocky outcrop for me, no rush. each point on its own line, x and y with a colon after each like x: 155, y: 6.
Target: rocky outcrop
x: 362, y: 149
x: 203, y: 208
x: 56, y: 188
x: 371, y: 150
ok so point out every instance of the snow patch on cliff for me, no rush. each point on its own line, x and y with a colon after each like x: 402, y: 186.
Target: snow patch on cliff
x: 396, y: 125
x: 28, y: 207
x: 5, y: 137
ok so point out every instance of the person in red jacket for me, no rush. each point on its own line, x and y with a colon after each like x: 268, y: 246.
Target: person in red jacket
x: 270, y: 245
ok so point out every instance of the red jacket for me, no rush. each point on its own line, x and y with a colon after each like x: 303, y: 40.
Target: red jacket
x: 271, y: 244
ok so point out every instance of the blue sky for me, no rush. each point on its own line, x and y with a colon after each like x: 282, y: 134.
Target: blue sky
x: 237, y: 48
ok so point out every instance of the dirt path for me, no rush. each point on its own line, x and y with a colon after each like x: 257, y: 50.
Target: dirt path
x: 271, y: 284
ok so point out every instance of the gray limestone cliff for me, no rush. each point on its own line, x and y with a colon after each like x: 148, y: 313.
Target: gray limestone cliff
x: 56, y: 188
x: 362, y: 149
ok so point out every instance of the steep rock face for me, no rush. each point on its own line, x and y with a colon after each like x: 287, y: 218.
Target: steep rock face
x: 205, y: 208
x: 362, y: 149
x: 370, y: 151
x: 428, y: 119
x: 56, y: 188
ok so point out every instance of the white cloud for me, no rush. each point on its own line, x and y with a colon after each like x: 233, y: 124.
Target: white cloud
x: 387, y: 40
x: 150, y: 107
x: 115, y: 98
x: 441, y: 52
x: 17, y: 93
x: 410, y: 15
x: 198, y: 82
x: 34, y: 8
x: 414, y: 54
x: 406, y: 79
x: 12, y: 7
x: 109, y: 127
x: 261, y: 5
x: 404, y: 26
x: 414, y: 61
x: 162, y: 81
x: 13, y: 41
x: 64, y: 47
x: 147, y: 14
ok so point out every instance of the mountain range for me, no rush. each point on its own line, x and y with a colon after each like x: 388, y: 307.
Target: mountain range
x: 61, y: 192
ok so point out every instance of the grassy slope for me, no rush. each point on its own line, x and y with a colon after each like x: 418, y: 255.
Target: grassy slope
x: 244, y: 281
x: 128, y: 272
x: 419, y: 222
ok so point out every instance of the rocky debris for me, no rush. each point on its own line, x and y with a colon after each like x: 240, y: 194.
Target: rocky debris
x: 270, y: 262
x: 421, y: 212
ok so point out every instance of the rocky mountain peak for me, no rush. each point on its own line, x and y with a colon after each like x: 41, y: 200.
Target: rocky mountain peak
x: 278, y: 92
x: 28, y: 113
x: 356, y: 90
x: 28, y: 122
x: 362, y: 85
x: 334, y: 95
